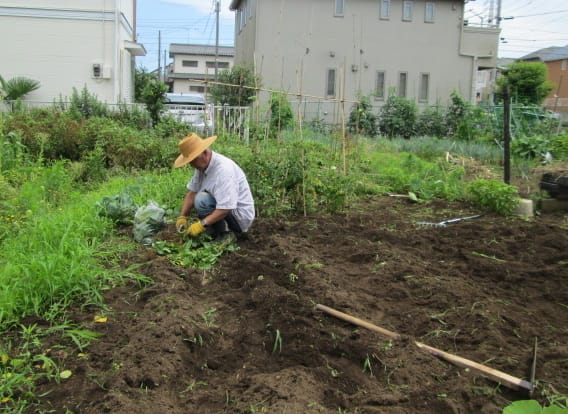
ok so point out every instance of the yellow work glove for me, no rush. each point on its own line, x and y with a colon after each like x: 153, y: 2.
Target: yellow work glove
x: 195, y: 229
x: 181, y: 224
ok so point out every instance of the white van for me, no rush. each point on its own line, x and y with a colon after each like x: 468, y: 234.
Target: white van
x: 191, y: 109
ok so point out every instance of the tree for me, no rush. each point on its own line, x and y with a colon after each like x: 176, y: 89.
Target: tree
x: 527, y: 81
x: 141, y: 78
x: 149, y: 90
x: 16, y: 88
x: 238, y: 86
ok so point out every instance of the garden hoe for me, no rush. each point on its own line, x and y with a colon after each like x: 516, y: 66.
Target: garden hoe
x: 446, y: 222
x: 501, y: 377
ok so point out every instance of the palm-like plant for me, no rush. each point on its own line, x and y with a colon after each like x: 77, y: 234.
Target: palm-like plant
x: 17, y: 87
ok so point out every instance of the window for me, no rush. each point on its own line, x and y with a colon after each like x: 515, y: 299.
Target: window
x: 407, y: 10
x: 250, y: 7
x: 220, y: 65
x: 429, y: 12
x: 198, y: 89
x: 244, y: 14
x: 385, y: 9
x: 189, y: 63
x: 424, y: 87
x: 339, y: 7
x: 330, y: 84
x: 402, y: 78
x: 380, y: 86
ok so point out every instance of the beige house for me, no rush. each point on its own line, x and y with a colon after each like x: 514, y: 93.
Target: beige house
x: 66, y: 44
x: 193, y: 64
x: 422, y: 50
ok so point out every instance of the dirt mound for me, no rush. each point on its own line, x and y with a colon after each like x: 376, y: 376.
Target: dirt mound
x: 246, y: 337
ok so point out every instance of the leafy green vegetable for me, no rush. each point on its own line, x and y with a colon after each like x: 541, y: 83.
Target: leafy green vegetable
x: 120, y: 208
x: 197, y: 253
x: 532, y: 407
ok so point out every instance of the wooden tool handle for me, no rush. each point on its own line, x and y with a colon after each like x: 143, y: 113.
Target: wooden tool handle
x: 505, y: 379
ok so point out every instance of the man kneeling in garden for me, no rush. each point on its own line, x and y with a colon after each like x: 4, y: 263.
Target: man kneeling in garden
x: 219, y: 192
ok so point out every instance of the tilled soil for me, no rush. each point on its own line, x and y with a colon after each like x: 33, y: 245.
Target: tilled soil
x: 246, y: 336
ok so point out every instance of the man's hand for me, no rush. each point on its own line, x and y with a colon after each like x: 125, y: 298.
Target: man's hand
x: 181, y: 224
x: 195, y: 229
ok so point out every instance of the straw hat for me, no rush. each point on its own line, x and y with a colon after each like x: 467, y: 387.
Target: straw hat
x: 190, y: 148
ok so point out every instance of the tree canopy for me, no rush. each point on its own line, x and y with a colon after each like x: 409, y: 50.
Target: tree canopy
x: 527, y: 81
x: 237, y: 87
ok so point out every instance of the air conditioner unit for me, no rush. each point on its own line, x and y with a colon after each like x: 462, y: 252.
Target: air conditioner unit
x: 100, y: 71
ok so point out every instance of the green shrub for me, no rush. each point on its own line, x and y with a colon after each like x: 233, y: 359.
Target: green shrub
x: 85, y: 105
x: 281, y: 116
x: 398, y: 117
x: 362, y: 120
x: 431, y: 122
x: 558, y: 147
x: 493, y: 195
x: 48, y: 133
x: 532, y: 147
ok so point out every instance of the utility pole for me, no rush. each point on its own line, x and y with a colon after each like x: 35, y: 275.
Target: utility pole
x: 217, y: 6
x: 165, y: 67
x: 498, y: 13
x: 159, y: 53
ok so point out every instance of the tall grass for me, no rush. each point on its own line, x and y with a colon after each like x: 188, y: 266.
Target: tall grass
x: 430, y: 148
x: 57, y: 259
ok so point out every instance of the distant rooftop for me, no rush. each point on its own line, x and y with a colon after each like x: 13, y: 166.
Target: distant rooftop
x: 548, y: 54
x: 207, y: 50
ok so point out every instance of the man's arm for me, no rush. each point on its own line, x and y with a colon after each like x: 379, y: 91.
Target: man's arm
x: 187, y: 203
x: 216, y: 215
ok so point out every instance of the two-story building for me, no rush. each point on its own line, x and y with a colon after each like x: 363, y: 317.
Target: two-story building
x: 193, y: 64
x: 66, y: 44
x: 421, y: 50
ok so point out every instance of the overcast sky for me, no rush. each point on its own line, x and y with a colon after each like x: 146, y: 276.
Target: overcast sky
x: 527, y: 25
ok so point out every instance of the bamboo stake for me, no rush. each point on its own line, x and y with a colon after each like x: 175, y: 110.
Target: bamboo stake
x: 501, y: 377
x: 342, y: 100
x: 533, y: 366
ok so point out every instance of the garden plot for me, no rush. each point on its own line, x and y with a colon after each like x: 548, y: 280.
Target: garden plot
x: 247, y: 337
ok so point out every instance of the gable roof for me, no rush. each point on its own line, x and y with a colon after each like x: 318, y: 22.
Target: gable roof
x: 203, y: 50
x: 548, y: 54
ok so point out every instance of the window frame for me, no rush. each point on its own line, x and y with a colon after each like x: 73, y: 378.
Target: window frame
x: 402, y: 87
x: 384, y: 12
x: 330, y: 83
x: 429, y: 12
x: 380, y: 86
x: 189, y: 63
x: 210, y: 64
x: 339, y: 9
x: 407, y: 10
x: 424, y: 87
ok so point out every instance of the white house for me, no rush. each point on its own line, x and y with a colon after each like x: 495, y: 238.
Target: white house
x: 192, y: 64
x: 421, y: 50
x: 66, y: 44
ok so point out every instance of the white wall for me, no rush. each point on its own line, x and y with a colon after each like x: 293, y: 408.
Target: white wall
x: 56, y: 42
x: 297, y: 41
